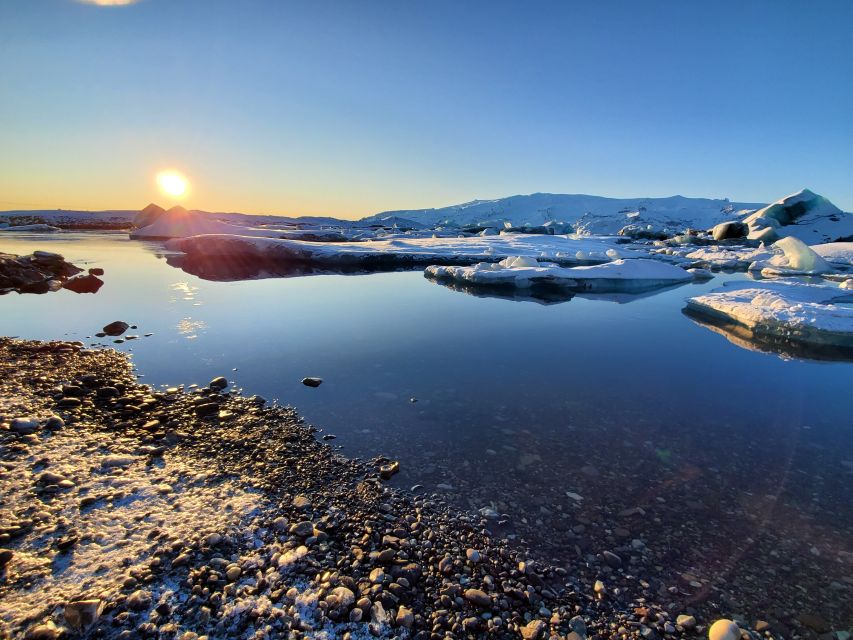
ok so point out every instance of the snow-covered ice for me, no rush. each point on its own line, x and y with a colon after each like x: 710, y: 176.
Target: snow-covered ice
x: 797, y: 311
x: 804, y: 215
x: 796, y: 258
x: 31, y: 228
x: 837, y: 253
x: 524, y: 272
x: 456, y: 250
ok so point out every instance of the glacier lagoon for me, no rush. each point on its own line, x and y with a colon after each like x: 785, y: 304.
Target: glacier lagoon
x: 574, y: 422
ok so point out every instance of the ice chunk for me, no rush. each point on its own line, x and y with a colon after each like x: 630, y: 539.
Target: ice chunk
x: 407, y: 252
x: 617, y: 276
x: 797, y: 257
x: 789, y: 309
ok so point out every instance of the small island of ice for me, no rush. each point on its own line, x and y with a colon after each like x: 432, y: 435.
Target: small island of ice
x: 523, y: 272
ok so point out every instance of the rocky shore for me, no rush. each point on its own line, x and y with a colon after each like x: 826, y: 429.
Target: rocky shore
x: 134, y: 512
x: 44, y: 271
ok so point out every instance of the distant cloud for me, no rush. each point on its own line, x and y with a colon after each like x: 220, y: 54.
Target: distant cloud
x: 109, y: 3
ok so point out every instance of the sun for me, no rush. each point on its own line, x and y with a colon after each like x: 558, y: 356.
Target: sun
x: 172, y: 183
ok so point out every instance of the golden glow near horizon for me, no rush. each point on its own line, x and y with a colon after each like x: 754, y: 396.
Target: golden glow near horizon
x: 109, y: 3
x: 172, y: 183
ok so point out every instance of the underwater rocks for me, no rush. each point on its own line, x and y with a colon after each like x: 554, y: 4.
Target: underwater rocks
x: 38, y: 272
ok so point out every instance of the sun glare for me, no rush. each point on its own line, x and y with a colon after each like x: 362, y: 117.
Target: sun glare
x: 172, y: 183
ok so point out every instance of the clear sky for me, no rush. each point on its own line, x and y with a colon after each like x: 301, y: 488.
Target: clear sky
x: 349, y: 108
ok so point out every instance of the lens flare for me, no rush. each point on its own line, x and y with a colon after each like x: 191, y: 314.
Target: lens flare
x: 172, y: 183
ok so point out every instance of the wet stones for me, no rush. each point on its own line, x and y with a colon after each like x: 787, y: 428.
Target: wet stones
x: 388, y: 470
x: 116, y: 328
x: 218, y: 383
x: 312, y: 382
x: 473, y: 556
x: 6, y: 556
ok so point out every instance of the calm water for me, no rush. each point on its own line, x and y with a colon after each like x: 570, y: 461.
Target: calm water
x: 625, y: 402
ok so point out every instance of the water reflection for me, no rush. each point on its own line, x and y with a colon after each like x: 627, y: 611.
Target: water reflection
x: 744, y: 338
x: 236, y: 268
x: 547, y: 294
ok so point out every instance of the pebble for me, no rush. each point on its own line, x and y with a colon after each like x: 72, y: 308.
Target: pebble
x: 685, y: 621
x: 478, y: 597
x: 24, y: 426
x: 473, y: 555
x: 533, y: 630
x: 218, y: 383
x: 139, y: 600
x: 312, y: 382
x: 724, y: 629
x: 302, y: 529
x: 82, y: 614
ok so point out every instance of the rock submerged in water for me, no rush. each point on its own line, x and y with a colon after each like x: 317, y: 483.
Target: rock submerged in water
x: 83, y: 284
x: 312, y: 382
x: 40, y: 272
x: 115, y: 328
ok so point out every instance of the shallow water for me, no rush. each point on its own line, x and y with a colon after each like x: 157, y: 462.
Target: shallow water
x: 732, y: 453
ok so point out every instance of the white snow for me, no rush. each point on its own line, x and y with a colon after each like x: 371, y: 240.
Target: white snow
x: 459, y: 250
x: 721, y: 257
x: 804, y: 215
x: 587, y: 214
x: 31, y: 228
x: 796, y: 258
x: 835, y: 252
x: 808, y: 313
x: 523, y: 272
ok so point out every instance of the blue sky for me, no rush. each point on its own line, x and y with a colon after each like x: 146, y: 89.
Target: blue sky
x: 348, y: 108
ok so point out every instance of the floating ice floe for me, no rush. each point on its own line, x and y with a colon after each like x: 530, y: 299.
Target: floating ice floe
x: 524, y: 272
x: 796, y: 311
x: 409, y: 251
x: 719, y: 257
x: 31, y: 228
x: 796, y: 258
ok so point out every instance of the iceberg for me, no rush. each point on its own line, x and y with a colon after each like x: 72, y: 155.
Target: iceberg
x: 523, y: 272
x: 805, y: 215
x: 796, y: 258
x: 795, y: 311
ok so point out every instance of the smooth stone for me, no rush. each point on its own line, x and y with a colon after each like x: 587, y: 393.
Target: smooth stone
x: 478, y: 597
x: 24, y: 426
x: 312, y: 382
x: 724, y: 629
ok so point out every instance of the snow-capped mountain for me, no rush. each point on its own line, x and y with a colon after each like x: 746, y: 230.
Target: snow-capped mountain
x: 589, y: 214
